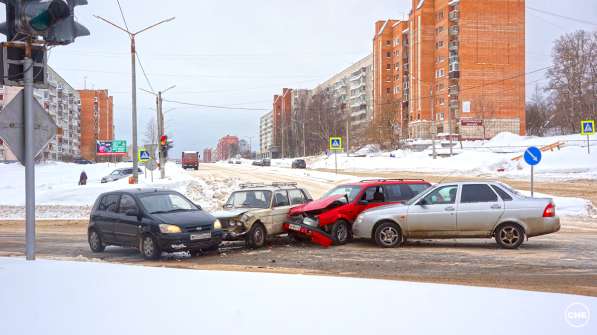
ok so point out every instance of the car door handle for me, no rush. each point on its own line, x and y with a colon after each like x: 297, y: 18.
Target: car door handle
x: 450, y: 209
x: 496, y: 207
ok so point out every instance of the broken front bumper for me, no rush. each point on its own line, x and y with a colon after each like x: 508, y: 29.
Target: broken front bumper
x: 316, y: 235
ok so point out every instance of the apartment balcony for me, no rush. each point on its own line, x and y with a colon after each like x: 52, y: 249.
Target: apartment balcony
x: 453, y: 46
x: 454, y: 75
x: 454, y: 103
x: 454, y: 15
x: 453, y: 31
x: 454, y: 67
x: 453, y: 90
x: 453, y: 59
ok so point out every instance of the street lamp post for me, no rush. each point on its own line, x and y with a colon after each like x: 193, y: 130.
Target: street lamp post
x: 132, y: 36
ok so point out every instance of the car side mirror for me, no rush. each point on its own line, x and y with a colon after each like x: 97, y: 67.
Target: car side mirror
x: 423, y: 203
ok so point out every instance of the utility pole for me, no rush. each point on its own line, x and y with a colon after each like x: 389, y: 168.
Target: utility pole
x: 160, y: 124
x: 29, y: 157
x: 433, y: 125
x: 132, y: 36
x: 450, y: 129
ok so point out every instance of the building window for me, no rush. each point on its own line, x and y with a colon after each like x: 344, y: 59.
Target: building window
x: 440, y: 15
x: 388, y: 42
x: 388, y: 54
x: 397, y: 65
x: 397, y: 42
x: 396, y: 89
x: 440, y: 59
x: 439, y: 44
x: 388, y: 66
x: 439, y: 30
x: 388, y: 90
x: 439, y: 73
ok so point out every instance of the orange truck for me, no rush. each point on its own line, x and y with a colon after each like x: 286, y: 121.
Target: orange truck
x: 190, y: 160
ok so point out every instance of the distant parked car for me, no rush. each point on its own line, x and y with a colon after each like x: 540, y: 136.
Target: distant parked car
x: 82, y: 161
x: 299, y: 164
x: 153, y: 221
x: 238, y: 161
x: 231, y: 162
x: 266, y: 162
x: 119, y: 174
x: 461, y: 210
x: 257, y: 163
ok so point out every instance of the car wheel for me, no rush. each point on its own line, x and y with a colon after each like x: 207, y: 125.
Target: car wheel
x: 388, y: 235
x: 256, y: 236
x: 149, y: 247
x: 509, y: 236
x: 95, y: 241
x: 340, y: 232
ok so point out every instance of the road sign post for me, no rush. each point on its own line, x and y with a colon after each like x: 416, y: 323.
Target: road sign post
x: 587, y: 127
x: 335, y: 146
x: 532, y: 156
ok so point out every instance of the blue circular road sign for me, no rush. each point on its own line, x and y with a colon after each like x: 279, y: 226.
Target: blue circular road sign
x: 532, y: 156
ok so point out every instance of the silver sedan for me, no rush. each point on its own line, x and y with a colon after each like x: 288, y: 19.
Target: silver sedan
x: 461, y: 210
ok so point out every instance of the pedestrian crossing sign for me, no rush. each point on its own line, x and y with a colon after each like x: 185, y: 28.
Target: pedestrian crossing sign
x: 587, y: 127
x: 336, y: 143
x: 143, y: 155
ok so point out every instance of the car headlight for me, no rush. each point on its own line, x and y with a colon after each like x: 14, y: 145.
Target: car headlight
x: 217, y: 224
x: 170, y: 229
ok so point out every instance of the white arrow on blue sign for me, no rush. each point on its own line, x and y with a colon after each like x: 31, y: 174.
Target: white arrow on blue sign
x: 335, y: 143
x: 532, y: 156
x: 144, y: 155
x: 589, y: 127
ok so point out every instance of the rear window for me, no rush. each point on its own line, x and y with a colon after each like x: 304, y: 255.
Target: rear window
x: 403, y: 192
x: 296, y: 197
x: 109, y: 203
x: 505, y: 196
x: 477, y: 193
x: 418, y: 188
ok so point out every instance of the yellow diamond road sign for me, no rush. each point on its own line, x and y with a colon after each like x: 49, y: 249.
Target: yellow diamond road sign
x: 587, y: 127
x: 335, y: 143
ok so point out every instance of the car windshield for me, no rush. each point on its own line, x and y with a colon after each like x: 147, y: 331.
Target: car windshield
x: 351, y: 191
x: 115, y: 173
x: 249, y: 199
x: 166, y: 203
x: 419, y: 196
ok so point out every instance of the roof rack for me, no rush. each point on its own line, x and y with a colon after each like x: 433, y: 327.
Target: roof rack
x: 390, y: 179
x: 251, y: 185
x: 282, y: 184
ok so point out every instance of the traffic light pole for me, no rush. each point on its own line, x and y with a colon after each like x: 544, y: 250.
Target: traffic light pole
x: 161, y: 132
x: 29, y: 158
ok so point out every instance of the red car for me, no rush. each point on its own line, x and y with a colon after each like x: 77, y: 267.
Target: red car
x: 329, y: 219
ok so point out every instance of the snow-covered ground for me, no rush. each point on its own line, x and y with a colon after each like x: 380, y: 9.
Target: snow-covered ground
x: 58, y: 192
x: 493, y: 158
x: 61, y: 298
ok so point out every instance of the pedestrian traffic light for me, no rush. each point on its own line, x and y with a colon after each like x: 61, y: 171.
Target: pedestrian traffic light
x: 52, y: 21
x: 163, y: 140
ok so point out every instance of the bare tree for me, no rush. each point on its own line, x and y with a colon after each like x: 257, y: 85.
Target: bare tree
x: 383, y: 130
x: 573, y: 79
x: 150, y: 136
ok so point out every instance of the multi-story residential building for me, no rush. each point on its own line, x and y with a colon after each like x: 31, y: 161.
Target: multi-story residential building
x: 351, y: 91
x: 63, y: 103
x: 455, y: 66
x: 266, y: 134
x: 207, y: 155
x: 228, y: 147
x: 97, y: 120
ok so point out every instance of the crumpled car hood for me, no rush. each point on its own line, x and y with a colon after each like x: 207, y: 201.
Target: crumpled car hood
x: 316, y: 204
x: 230, y: 213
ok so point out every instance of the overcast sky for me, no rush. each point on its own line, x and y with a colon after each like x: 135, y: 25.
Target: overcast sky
x: 241, y: 53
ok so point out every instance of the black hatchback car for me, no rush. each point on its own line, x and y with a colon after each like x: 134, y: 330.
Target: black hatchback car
x: 153, y: 221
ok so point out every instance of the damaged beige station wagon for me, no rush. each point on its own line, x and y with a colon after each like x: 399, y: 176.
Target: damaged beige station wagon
x: 257, y: 211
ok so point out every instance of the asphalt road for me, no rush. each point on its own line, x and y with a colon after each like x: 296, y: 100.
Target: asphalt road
x: 564, y: 262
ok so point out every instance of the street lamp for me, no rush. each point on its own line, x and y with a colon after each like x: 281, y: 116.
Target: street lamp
x: 132, y: 36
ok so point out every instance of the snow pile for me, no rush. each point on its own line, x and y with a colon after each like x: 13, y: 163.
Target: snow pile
x: 60, y: 298
x: 58, y: 194
x: 475, y: 158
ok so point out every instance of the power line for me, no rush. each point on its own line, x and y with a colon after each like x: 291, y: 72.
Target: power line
x: 122, y: 14
x: 215, y: 106
x: 143, y: 71
x: 562, y: 16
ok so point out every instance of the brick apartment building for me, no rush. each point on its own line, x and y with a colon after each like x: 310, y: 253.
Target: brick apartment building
x: 228, y: 146
x: 207, y: 155
x: 97, y: 120
x: 458, y: 62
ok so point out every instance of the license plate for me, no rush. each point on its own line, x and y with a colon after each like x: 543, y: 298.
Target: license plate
x: 202, y: 236
x: 294, y: 227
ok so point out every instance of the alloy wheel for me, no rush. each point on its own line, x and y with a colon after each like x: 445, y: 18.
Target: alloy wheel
x: 509, y: 236
x: 148, y: 247
x: 389, y: 235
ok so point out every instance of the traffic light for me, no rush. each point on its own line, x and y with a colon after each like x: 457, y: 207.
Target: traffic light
x: 52, y: 21
x: 163, y: 141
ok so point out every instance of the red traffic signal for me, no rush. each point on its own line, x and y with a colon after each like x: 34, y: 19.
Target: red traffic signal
x: 163, y: 140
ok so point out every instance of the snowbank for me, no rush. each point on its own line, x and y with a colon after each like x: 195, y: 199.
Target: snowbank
x: 493, y: 158
x: 56, y: 297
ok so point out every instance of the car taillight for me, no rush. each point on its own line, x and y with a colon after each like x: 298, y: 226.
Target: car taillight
x: 550, y: 211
